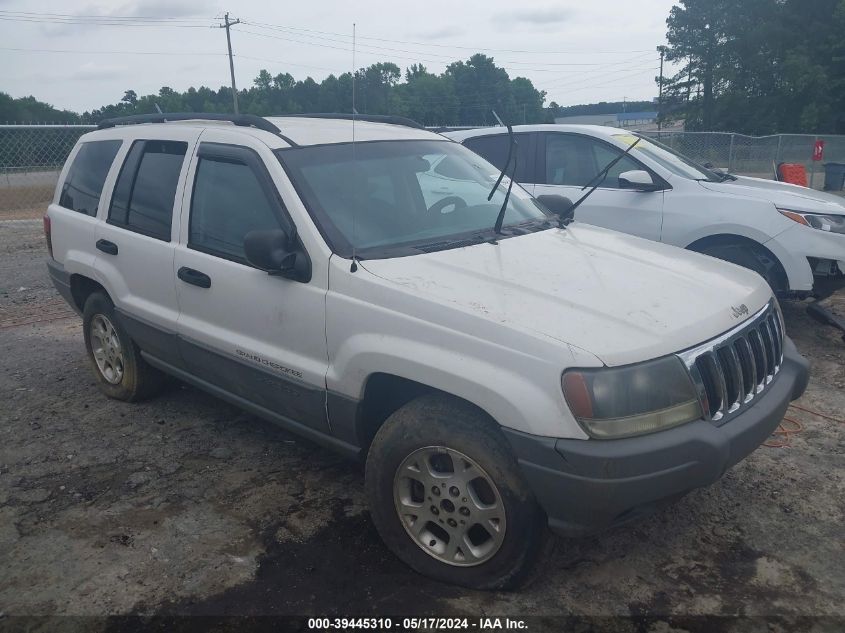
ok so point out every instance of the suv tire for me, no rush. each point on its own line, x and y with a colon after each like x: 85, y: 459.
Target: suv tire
x: 483, y: 508
x: 115, y: 358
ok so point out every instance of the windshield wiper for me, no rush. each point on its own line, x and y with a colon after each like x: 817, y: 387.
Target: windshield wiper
x: 599, y: 177
x: 456, y: 242
x: 500, y: 218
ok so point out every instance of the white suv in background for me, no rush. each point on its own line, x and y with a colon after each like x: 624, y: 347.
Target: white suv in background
x: 793, y: 236
x: 494, y: 381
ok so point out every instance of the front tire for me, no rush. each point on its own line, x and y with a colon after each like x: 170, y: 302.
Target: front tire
x: 752, y: 258
x: 115, y: 358
x: 447, y: 497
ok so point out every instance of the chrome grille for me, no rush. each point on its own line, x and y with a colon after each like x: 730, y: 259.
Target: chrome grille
x: 734, y: 368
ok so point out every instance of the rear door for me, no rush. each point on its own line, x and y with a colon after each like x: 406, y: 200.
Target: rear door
x: 136, y: 244
x: 567, y: 162
x: 80, y: 198
x: 258, y: 337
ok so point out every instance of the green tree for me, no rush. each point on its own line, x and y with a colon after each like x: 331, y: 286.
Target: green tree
x: 758, y: 66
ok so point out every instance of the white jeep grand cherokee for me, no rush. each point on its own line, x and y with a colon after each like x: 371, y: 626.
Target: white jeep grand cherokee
x: 495, y: 382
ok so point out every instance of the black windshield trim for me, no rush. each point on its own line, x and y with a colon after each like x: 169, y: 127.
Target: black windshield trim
x: 450, y: 242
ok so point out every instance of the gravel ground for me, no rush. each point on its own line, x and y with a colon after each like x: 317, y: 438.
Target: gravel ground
x: 186, y: 505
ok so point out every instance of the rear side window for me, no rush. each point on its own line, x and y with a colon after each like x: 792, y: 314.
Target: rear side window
x: 145, y: 192
x: 494, y: 149
x: 228, y: 202
x: 83, y: 186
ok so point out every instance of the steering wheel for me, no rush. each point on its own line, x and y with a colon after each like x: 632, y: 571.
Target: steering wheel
x: 448, y: 201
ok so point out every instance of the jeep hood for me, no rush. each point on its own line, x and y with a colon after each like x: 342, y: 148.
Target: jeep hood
x: 783, y: 195
x: 619, y: 297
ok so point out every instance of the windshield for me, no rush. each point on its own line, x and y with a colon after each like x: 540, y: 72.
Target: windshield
x: 668, y: 158
x: 389, y: 198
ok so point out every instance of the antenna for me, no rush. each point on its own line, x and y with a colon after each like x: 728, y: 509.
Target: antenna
x: 354, y: 111
x: 354, y: 265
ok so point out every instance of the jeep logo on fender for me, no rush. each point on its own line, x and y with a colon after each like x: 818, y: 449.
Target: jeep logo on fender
x: 740, y: 310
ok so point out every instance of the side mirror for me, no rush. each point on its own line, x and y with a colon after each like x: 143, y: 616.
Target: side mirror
x: 560, y: 206
x: 638, y: 179
x: 275, y: 252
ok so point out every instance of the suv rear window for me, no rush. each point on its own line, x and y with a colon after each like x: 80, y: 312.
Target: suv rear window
x: 83, y: 186
x: 146, y: 188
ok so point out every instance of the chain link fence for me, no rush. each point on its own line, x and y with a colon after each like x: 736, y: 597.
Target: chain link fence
x: 756, y: 155
x: 31, y: 158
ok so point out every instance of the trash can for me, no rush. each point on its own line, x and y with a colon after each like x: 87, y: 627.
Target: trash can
x: 834, y: 176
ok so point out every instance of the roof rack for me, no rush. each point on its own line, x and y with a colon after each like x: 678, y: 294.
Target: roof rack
x: 371, y: 118
x: 244, y: 120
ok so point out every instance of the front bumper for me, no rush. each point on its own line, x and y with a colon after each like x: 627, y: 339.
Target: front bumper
x: 795, y: 246
x: 588, y: 485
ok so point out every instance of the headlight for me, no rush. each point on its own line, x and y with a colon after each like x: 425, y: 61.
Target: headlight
x: 830, y: 223
x: 616, y: 402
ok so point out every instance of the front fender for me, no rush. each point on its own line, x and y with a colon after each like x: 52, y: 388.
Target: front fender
x: 517, y: 396
x: 693, y: 214
x: 374, y: 326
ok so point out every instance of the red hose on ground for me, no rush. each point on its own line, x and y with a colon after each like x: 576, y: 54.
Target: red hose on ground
x: 786, y: 432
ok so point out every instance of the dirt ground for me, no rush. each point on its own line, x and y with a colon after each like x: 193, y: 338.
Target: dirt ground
x: 186, y: 505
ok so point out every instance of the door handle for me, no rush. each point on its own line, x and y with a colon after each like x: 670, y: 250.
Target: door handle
x: 107, y: 247
x: 194, y: 277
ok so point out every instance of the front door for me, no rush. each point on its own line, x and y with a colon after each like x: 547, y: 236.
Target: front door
x: 567, y: 162
x: 260, y: 338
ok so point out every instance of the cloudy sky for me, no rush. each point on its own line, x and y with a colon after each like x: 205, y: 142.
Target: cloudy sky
x: 83, y: 54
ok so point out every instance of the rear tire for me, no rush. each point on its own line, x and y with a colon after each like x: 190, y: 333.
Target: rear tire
x: 115, y: 358
x: 473, y: 523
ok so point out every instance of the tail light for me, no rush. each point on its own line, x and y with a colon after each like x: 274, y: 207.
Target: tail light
x: 48, y: 235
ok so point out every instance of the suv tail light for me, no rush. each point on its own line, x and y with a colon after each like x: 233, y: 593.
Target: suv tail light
x: 47, y: 234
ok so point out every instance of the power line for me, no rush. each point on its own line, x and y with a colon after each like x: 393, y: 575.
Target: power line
x: 4, y: 18
x: 431, y: 44
x: 400, y: 50
x: 405, y: 57
x: 614, y: 80
x: 281, y: 61
x: 109, y: 17
x: 568, y: 84
x: 65, y: 51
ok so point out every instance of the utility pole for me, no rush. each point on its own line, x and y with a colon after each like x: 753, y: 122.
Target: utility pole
x: 226, y: 26
x: 662, y: 51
